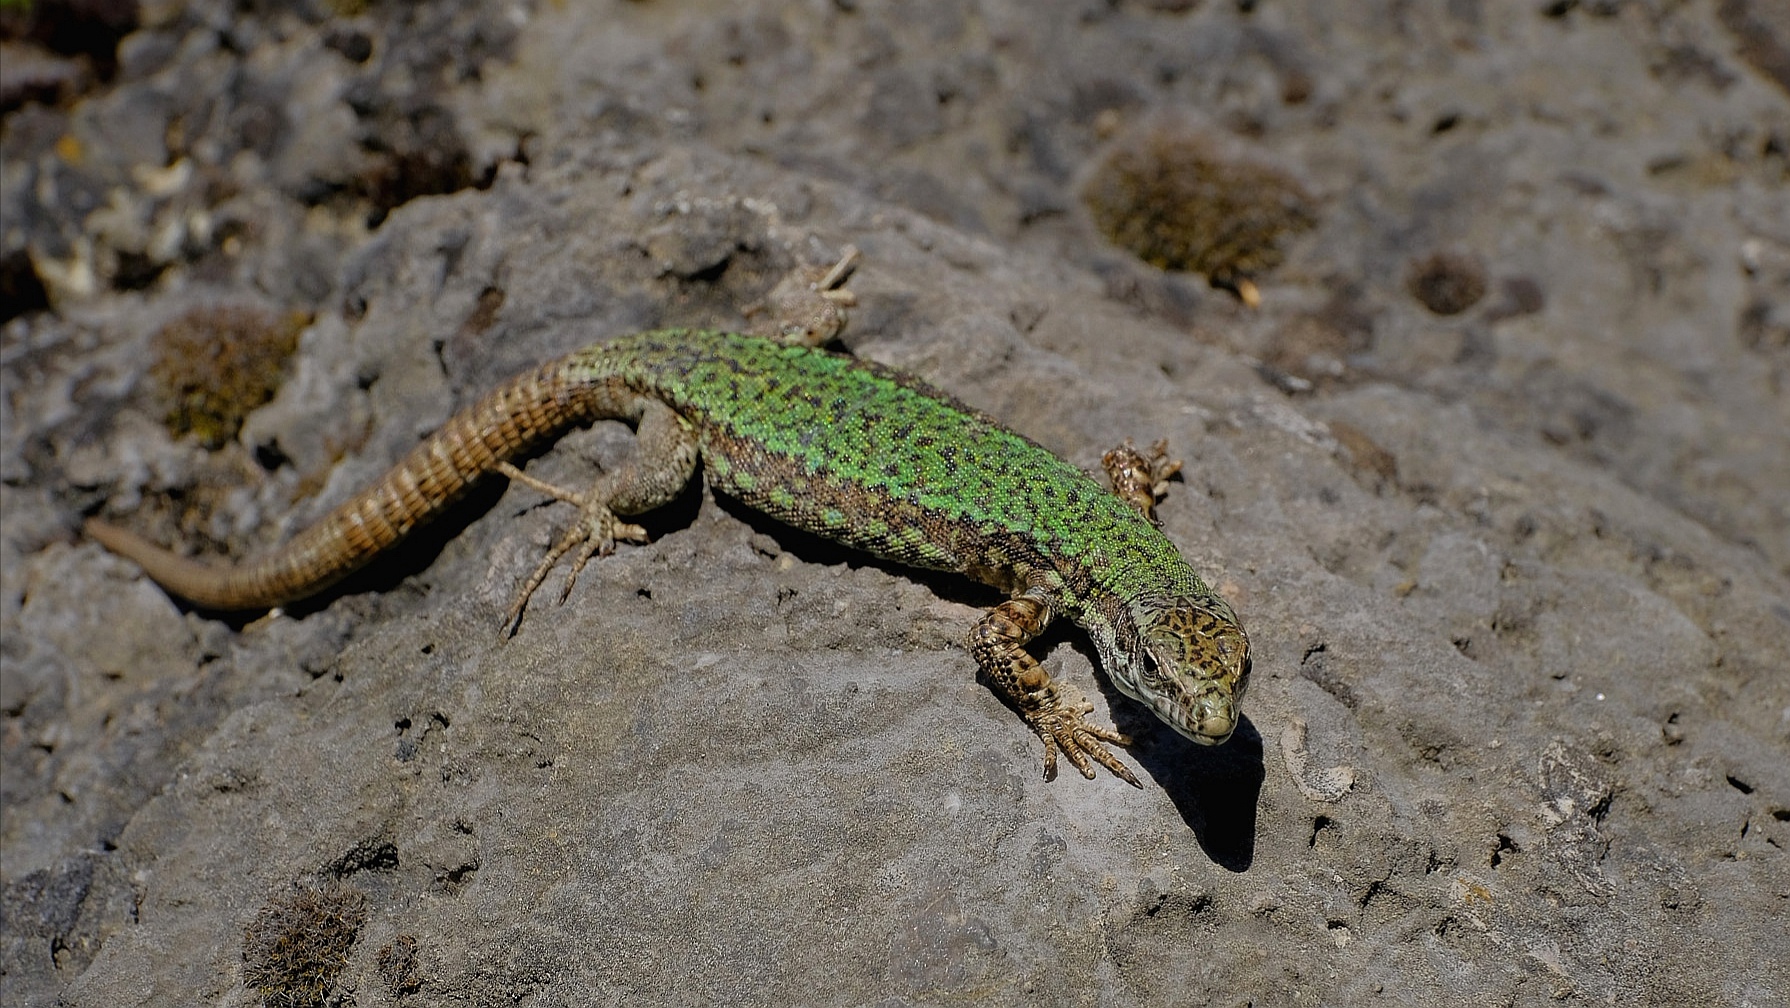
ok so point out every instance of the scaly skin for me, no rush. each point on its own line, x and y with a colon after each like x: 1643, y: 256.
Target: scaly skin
x: 843, y: 448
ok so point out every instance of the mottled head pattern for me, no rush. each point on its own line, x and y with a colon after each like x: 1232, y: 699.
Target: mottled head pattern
x: 1193, y: 668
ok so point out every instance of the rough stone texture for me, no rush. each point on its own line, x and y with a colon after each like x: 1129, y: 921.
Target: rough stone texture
x: 1518, y: 577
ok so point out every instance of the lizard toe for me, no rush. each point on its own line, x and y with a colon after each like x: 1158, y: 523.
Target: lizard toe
x: 1063, y: 730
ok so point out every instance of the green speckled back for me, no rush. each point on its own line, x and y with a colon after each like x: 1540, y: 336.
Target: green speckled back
x: 878, y: 461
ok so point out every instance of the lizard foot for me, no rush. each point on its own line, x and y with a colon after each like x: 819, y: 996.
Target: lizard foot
x: 808, y: 307
x: 1062, y: 727
x: 595, y: 533
x: 1138, y: 478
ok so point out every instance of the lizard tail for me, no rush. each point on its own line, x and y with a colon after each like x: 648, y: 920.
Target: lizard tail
x: 503, y: 425
x: 204, y: 584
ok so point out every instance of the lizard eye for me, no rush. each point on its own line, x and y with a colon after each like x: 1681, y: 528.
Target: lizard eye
x: 1152, y: 671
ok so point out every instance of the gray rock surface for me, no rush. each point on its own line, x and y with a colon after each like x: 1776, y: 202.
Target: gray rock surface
x: 1518, y: 577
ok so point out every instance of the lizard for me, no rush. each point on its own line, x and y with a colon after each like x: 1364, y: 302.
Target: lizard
x: 857, y: 452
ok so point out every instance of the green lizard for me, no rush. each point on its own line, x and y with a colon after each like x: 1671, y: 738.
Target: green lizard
x: 847, y: 449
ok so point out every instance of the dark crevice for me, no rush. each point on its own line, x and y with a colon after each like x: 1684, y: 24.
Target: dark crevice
x: 1505, y: 846
x: 369, y: 855
x: 90, y: 29
x: 21, y: 290
x: 1318, y: 826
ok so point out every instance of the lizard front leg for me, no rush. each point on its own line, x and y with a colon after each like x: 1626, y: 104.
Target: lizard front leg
x: 807, y: 307
x: 1140, y: 480
x: 664, y: 459
x: 998, y: 642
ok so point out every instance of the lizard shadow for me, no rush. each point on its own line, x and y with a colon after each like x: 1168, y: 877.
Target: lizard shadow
x: 390, y: 575
x: 401, y: 565
x: 1215, y: 788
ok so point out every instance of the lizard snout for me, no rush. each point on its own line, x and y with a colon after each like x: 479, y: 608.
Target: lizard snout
x: 1208, y: 718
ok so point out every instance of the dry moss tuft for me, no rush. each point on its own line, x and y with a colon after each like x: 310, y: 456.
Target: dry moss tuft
x: 1172, y: 199
x: 398, y: 967
x: 213, y: 365
x: 299, y: 943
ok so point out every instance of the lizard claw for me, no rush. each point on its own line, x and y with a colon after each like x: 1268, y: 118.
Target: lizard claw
x: 598, y: 542
x: 1063, y: 728
x: 595, y: 533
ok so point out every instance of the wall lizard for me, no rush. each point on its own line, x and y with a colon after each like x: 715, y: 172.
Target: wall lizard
x: 859, y: 453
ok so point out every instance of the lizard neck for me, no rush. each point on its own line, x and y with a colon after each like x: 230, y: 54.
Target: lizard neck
x: 1118, y: 587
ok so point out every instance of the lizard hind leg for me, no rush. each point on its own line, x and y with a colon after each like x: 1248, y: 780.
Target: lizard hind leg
x: 662, y: 463
x: 998, y: 642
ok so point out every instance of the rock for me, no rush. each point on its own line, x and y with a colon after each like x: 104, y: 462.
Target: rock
x: 1515, y: 577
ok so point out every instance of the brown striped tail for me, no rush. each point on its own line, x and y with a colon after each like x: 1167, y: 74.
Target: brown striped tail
x: 519, y: 415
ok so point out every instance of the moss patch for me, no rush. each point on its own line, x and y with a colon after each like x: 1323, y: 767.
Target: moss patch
x: 213, y: 365
x: 1170, y: 198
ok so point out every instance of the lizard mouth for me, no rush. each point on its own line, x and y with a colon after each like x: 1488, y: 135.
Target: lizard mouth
x: 1208, y: 718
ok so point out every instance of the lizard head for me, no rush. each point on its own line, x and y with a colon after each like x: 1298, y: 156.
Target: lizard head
x: 1193, y: 668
